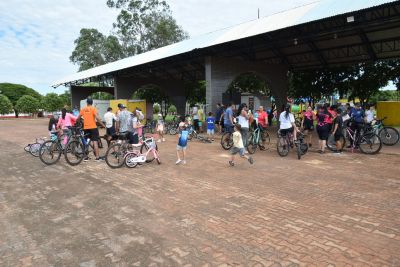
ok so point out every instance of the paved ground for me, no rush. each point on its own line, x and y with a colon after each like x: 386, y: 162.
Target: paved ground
x: 324, y: 210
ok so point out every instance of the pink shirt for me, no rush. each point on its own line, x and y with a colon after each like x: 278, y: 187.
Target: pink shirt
x: 67, y: 122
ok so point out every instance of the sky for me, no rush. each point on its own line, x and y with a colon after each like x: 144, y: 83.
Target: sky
x: 37, y: 37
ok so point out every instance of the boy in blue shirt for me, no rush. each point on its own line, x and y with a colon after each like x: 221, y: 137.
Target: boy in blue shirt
x: 210, y: 126
x: 182, y: 142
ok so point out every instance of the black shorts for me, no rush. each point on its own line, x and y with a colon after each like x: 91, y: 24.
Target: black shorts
x: 284, y: 132
x: 323, y: 131
x: 133, y: 138
x: 110, y: 131
x: 338, y: 135
x: 93, y: 134
x: 308, y: 125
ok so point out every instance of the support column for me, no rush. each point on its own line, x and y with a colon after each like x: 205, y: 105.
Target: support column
x: 123, y: 88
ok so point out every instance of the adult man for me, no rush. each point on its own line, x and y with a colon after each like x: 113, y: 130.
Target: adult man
x: 228, y: 118
x: 195, y: 116
x: 109, y: 118
x: 262, y: 117
x: 90, y: 116
x: 219, y: 117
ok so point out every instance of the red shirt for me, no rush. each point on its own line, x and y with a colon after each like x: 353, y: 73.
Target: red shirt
x: 333, y: 114
x: 262, y: 117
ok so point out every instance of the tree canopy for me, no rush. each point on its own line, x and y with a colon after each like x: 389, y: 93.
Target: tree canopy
x: 28, y: 104
x: 141, y: 26
x: 16, y: 91
x: 249, y: 83
x: 5, y: 105
x: 52, y: 102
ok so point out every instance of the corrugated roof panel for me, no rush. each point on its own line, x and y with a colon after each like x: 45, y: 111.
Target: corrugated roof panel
x: 307, y: 13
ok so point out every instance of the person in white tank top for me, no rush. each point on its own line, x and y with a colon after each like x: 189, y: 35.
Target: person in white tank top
x: 243, y: 120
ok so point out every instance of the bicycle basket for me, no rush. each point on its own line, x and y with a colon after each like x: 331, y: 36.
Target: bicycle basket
x: 53, y: 137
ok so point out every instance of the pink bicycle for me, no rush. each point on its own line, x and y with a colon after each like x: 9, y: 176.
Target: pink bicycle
x: 134, y: 157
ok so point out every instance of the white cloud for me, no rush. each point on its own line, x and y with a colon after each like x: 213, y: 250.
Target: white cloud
x: 36, y: 37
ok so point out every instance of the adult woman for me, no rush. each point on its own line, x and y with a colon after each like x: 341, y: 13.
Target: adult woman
x: 308, y: 123
x: 287, y: 123
x: 323, y: 127
x: 243, y: 120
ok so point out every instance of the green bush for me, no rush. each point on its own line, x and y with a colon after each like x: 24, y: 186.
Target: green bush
x: 27, y: 104
x: 5, y: 105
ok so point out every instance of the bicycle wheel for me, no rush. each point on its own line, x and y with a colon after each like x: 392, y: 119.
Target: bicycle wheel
x: 264, y: 141
x: 50, y: 152
x: 303, y: 147
x: 74, y: 152
x: 34, y: 149
x: 143, y: 150
x: 370, y: 144
x: 226, y: 141
x: 173, y: 131
x: 251, y: 146
x: 298, y: 149
x: 129, y: 159
x: 389, y: 136
x: 115, y: 155
x: 331, y: 143
x: 282, y: 146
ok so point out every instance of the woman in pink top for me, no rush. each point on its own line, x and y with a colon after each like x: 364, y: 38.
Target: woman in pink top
x: 66, y: 120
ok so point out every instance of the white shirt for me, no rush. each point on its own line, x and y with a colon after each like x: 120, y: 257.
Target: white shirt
x: 243, y: 121
x: 369, y: 115
x: 195, y: 113
x: 237, y: 140
x: 108, y: 118
x: 286, y: 123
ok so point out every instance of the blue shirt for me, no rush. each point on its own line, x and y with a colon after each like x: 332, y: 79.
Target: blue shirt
x: 210, y: 123
x: 358, y: 115
x: 228, y: 114
x: 183, y: 138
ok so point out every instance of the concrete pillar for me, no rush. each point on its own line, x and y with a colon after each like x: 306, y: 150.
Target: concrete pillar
x: 123, y: 87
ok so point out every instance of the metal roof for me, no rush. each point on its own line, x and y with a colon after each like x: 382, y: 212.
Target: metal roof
x: 300, y: 15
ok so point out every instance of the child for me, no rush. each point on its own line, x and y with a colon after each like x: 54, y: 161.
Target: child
x: 238, y: 146
x: 338, y: 131
x: 210, y: 126
x: 53, y: 124
x: 182, y: 142
x: 160, y: 128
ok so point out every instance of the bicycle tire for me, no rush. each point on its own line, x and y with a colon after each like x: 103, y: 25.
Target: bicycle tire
x: 331, y: 143
x: 370, y: 144
x: 173, y: 131
x: 282, y: 146
x: 264, y: 141
x: 226, y: 141
x: 27, y: 147
x: 128, y: 157
x: 34, y: 149
x: 298, y: 149
x: 74, y: 152
x: 143, y: 150
x: 251, y: 147
x: 303, y: 147
x: 50, y: 152
x: 389, y: 136
x: 115, y: 156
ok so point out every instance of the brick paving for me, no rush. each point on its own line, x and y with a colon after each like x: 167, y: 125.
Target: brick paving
x: 325, y: 210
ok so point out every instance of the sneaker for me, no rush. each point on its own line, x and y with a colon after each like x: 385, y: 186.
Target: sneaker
x: 337, y: 152
x: 99, y: 159
x: 251, y: 160
x: 86, y: 159
x: 231, y: 163
x: 159, y: 141
x: 163, y: 139
x: 246, y: 152
x: 184, y: 162
x: 178, y: 161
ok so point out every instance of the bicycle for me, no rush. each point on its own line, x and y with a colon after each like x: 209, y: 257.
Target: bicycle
x: 135, y: 157
x: 258, y: 138
x: 227, y: 140
x: 285, y: 142
x: 78, y: 147
x: 33, y: 149
x: 389, y: 135
x: 50, y: 151
x: 368, y: 142
x: 115, y: 155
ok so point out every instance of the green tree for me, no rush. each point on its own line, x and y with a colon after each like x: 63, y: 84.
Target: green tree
x: 52, y: 102
x: 66, y: 98
x: 172, y: 109
x: 143, y: 25
x: 15, y: 91
x: 28, y: 104
x: 102, y: 96
x: 5, y: 105
x: 249, y: 83
x: 151, y: 93
x: 195, y: 92
x: 93, y: 49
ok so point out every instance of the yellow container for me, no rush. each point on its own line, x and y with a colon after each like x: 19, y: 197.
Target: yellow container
x: 391, y: 110
x: 131, y: 105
